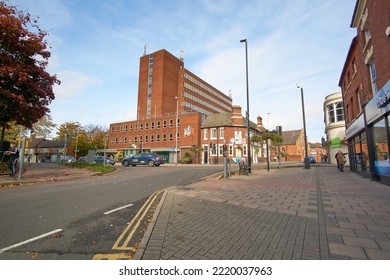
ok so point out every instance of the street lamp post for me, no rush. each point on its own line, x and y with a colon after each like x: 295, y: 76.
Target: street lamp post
x: 306, y: 160
x: 177, y: 122
x: 247, y: 105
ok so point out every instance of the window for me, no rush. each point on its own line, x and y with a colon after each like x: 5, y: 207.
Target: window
x: 158, y: 124
x: 213, y: 133
x: 158, y: 138
x: 116, y: 129
x: 213, y: 150
x: 373, y: 77
x: 331, y: 116
x: 136, y: 127
x: 164, y: 124
x: 170, y: 137
x: 126, y: 128
x: 340, y: 112
x: 141, y: 126
x: 178, y: 136
x: 131, y: 127
x: 152, y: 138
x: 205, y: 133
x: 220, y: 150
x: 116, y: 140
x: 178, y: 122
x: 140, y: 138
x: 221, y: 133
x: 152, y: 125
x: 230, y: 150
x: 125, y: 140
x: 121, y: 128
x: 135, y: 139
x: 164, y: 138
x: 120, y: 140
x: 146, y: 139
x: 146, y: 126
x: 170, y: 123
x: 112, y: 129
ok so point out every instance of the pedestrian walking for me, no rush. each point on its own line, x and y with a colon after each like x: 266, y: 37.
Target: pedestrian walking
x: 13, y: 152
x: 340, y: 160
x: 338, y: 164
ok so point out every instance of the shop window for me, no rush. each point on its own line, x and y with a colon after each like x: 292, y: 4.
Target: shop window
x: 381, y: 148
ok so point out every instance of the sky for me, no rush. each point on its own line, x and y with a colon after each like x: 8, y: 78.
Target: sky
x: 96, y: 47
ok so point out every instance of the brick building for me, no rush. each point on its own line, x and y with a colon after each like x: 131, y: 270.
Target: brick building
x: 365, y: 86
x: 173, y: 104
x: 292, y: 148
x: 229, y: 129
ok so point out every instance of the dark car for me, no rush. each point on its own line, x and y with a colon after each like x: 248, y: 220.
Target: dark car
x: 68, y: 159
x: 150, y: 159
x: 100, y: 159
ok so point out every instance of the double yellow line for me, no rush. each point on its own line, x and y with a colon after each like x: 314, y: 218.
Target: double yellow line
x: 123, y: 240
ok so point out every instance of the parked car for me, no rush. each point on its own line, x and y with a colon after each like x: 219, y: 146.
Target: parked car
x: 101, y: 159
x: 82, y: 159
x: 67, y: 159
x: 149, y: 159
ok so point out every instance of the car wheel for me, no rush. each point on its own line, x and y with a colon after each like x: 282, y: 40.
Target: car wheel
x: 125, y: 163
x: 151, y: 163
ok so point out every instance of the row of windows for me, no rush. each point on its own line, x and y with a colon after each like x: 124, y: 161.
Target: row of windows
x: 219, y: 147
x: 140, y: 126
x: 203, y: 102
x: 205, y: 95
x: 145, y: 139
x: 213, y: 133
x: 150, y: 85
x: 196, y: 108
x: 199, y: 83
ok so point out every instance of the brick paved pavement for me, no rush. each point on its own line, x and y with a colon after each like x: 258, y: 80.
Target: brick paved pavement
x: 288, y: 213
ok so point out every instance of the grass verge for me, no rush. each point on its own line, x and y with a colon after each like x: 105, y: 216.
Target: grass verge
x: 93, y: 167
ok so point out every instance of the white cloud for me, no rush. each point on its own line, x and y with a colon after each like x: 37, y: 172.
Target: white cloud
x: 72, y: 83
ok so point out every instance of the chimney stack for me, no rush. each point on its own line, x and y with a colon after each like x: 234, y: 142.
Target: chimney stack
x: 236, y: 116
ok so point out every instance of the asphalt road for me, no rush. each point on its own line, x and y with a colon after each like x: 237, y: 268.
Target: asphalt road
x: 74, y: 215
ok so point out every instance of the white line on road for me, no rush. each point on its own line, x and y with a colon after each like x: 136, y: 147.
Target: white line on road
x: 120, y: 208
x: 30, y: 240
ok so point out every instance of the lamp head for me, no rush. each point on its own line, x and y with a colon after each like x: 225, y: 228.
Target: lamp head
x: 243, y: 40
x: 298, y: 86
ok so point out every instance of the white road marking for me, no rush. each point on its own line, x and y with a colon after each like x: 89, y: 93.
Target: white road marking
x: 120, y: 208
x: 30, y: 240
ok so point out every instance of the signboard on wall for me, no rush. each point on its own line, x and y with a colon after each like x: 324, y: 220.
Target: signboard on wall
x: 336, y: 142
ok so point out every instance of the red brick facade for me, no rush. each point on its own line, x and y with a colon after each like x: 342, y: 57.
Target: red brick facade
x: 167, y: 89
x: 365, y: 86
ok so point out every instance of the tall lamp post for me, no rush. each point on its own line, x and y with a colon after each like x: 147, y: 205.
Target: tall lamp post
x: 247, y: 105
x: 177, y: 120
x: 306, y: 160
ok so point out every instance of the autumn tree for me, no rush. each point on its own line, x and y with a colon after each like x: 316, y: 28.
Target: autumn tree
x: 44, y: 127
x: 89, y: 137
x: 26, y: 88
x: 68, y: 131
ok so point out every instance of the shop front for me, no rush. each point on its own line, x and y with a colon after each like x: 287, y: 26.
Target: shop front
x: 369, y: 137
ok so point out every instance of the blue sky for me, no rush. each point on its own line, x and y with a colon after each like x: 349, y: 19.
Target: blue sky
x: 96, y: 46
